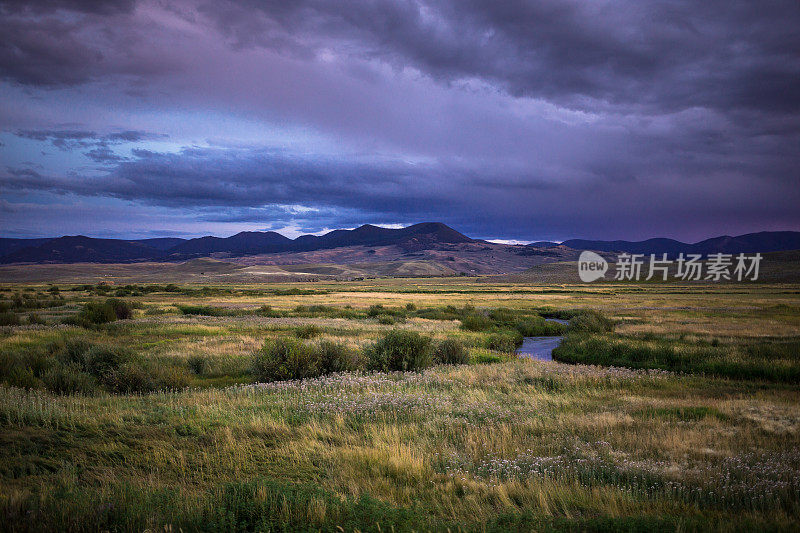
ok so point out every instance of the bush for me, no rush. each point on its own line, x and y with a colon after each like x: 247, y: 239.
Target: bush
x: 102, y: 313
x: 375, y: 310
x: 476, y: 322
x: 103, y: 363
x: 538, y: 327
x: 400, y: 350
x: 450, y: 352
x: 268, y: 311
x: 197, y: 364
x: 284, y: 358
x: 336, y: 357
x: 386, y: 320
x: 307, y: 331
x: 590, y: 321
x: 33, y: 319
x: 487, y: 358
x: 506, y: 342
x: 9, y: 319
x: 69, y: 379
x: 203, y: 310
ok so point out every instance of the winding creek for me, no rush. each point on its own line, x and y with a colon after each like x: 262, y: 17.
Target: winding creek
x: 540, y: 348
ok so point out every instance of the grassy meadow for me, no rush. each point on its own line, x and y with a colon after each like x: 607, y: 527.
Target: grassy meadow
x: 398, y: 404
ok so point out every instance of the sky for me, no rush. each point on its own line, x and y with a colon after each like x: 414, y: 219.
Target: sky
x: 514, y: 120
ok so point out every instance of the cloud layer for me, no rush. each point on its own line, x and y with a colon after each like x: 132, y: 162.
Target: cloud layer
x: 519, y: 120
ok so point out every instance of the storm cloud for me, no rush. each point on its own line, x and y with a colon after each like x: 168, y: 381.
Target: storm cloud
x: 521, y: 119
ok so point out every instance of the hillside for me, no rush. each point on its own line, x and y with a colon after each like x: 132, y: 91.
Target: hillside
x: 80, y: 249
x: 765, y: 241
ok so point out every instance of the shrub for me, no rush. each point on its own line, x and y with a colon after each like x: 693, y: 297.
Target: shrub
x: 33, y: 318
x: 69, y: 379
x: 307, y: 331
x: 170, y: 377
x: 506, y: 342
x: 375, y: 310
x: 197, y: 364
x: 23, y: 377
x: 336, y: 357
x: 386, y: 320
x: 9, y: 319
x: 538, y: 327
x: 400, y: 350
x: 411, y: 307
x: 102, y: 362
x: 450, y: 352
x: 476, y: 322
x: 284, y: 358
x: 487, y: 358
x: 131, y: 378
x: 591, y: 321
x: 103, y: 312
x: 503, y: 316
x: 268, y: 311
x: 203, y: 310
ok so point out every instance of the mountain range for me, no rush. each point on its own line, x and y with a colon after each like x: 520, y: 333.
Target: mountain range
x: 408, y: 241
x: 81, y: 249
x: 765, y: 241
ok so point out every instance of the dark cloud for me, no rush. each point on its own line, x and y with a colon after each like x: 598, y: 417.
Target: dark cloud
x: 101, y: 7
x: 594, y: 119
x: 676, y: 55
x: 66, y: 43
x: 104, y: 155
x: 274, y: 187
x: 76, y: 139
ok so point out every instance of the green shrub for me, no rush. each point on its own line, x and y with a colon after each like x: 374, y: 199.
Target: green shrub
x: 102, y: 312
x: 170, y: 377
x: 9, y: 319
x: 400, y: 350
x: 375, y: 310
x: 33, y: 318
x: 506, y: 342
x: 379, y: 310
x: 19, y: 376
x: 284, y: 358
x: 476, y: 322
x: 503, y: 316
x: 537, y: 326
x: 104, y: 363
x: 197, y: 364
x: 450, y: 352
x: 336, y: 357
x: 307, y: 331
x: 268, y: 311
x: 591, y: 321
x: 202, y: 310
x: 69, y: 379
x: 386, y: 320
x: 487, y: 358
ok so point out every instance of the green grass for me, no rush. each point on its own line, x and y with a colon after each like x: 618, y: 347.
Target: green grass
x: 772, y: 361
x: 701, y: 435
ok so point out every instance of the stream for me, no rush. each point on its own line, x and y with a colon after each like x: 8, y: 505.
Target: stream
x: 540, y: 348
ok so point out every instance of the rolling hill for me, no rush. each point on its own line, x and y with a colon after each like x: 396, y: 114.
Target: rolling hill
x: 81, y: 249
x: 765, y: 241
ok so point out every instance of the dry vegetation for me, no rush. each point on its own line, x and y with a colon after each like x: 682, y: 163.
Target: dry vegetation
x: 700, y: 432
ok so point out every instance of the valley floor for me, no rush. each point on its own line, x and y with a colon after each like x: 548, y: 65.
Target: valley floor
x: 680, y: 421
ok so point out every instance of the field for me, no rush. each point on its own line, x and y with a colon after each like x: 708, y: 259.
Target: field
x: 150, y: 407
